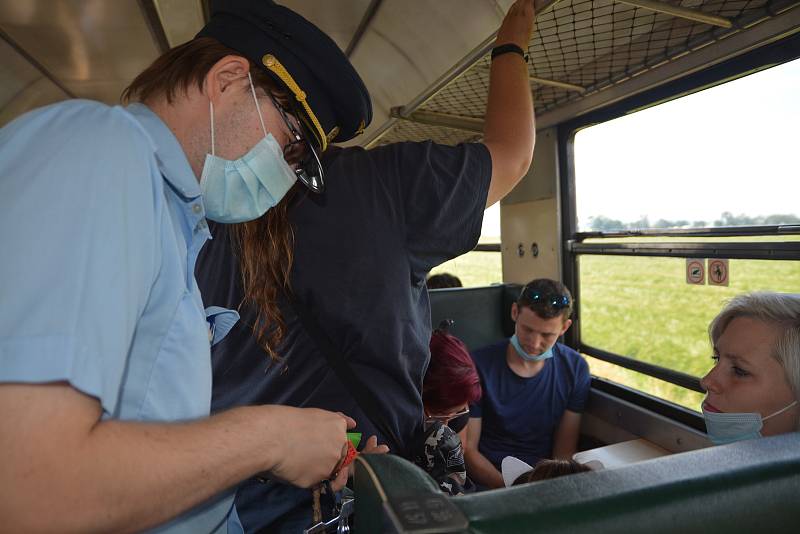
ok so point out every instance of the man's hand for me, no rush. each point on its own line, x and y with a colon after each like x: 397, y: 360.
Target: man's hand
x: 517, y: 24
x: 309, y: 444
x: 372, y: 447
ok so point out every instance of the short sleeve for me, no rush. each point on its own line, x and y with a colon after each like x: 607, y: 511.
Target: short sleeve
x: 443, y: 191
x: 476, y: 408
x: 583, y: 380
x: 77, y: 216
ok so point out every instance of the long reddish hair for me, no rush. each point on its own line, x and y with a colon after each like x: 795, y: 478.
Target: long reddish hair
x: 265, y: 246
x: 451, y: 379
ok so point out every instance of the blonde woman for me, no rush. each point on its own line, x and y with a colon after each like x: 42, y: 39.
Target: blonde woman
x: 754, y: 387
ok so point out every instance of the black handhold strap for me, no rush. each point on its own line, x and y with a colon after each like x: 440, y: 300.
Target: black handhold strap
x: 367, y: 401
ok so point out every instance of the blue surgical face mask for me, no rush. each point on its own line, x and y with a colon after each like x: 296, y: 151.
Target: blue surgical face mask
x: 529, y: 357
x: 725, y: 428
x: 244, y: 189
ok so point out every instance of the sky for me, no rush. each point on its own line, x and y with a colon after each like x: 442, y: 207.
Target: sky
x: 734, y: 147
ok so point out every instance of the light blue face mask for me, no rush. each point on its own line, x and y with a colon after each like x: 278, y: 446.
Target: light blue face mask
x: 725, y: 428
x: 529, y: 357
x: 244, y: 189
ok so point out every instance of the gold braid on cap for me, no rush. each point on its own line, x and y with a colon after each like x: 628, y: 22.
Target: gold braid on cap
x: 273, y: 65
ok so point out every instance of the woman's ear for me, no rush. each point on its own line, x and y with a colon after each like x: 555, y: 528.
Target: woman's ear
x: 227, y: 74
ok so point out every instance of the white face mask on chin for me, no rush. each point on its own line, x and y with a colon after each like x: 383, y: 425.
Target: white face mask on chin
x: 725, y: 428
x: 529, y: 357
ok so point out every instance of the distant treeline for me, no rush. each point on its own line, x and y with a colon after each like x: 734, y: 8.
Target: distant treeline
x: 601, y: 223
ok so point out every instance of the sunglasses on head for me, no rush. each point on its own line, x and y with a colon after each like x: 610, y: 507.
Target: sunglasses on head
x: 299, y: 150
x: 555, y: 301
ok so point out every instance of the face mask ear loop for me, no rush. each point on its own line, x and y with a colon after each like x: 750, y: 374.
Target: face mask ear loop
x: 211, y: 114
x: 779, y: 411
x: 255, y: 99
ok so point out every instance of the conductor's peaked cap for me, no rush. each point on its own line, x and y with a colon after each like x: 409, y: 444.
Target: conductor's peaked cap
x: 330, y: 98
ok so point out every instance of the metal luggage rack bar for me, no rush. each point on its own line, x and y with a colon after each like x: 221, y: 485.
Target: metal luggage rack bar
x: 582, y: 48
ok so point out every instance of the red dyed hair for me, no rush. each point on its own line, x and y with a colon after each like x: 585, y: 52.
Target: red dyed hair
x: 451, y: 379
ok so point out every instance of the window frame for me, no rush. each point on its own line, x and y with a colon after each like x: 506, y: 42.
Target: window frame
x: 573, y: 242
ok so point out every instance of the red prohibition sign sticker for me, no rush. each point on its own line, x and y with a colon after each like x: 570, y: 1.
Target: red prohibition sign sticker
x: 695, y: 271
x: 718, y: 273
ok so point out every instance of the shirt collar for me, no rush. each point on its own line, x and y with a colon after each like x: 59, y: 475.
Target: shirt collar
x: 172, y: 160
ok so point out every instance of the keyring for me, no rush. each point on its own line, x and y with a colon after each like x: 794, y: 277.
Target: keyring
x: 349, y: 454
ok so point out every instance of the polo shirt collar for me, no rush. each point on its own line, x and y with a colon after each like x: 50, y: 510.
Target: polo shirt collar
x: 171, y: 159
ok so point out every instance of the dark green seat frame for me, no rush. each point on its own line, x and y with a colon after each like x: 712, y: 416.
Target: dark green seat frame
x: 482, y: 315
x: 750, y: 486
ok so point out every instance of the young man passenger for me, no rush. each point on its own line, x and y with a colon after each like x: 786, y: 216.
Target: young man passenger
x: 105, y: 369
x: 534, y: 388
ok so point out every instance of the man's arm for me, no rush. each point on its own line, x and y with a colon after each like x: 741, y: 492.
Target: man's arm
x: 509, y: 131
x: 479, y: 468
x: 565, y: 442
x: 64, y: 468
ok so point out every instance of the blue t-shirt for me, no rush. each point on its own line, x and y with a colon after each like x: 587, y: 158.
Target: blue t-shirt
x: 101, y: 220
x: 362, y: 252
x: 519, y: 416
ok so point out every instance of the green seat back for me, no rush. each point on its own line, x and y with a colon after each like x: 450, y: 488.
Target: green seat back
x: 482, y: 315
x: 751, y: 486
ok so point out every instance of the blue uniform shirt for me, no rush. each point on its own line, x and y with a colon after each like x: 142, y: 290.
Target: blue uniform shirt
x: 101, y: 221
x: 519, y: 416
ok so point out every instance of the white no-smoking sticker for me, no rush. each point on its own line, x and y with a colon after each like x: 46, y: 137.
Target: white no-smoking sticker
x: 718, y: 273
x: 695, y: 271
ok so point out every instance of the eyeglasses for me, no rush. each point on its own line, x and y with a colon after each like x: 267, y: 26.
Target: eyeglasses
x: 456, y: 421
x: 545, y: 299
x: 300, y: 151
x: 446, y: 418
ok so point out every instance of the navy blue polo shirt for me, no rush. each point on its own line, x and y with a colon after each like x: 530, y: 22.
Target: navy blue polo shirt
x: 362, y: 253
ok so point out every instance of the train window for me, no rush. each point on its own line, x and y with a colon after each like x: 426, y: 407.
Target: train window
x: 698, y: 161
x: 482, y: 266
x: 642, y: 308
x: 696, y: 178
